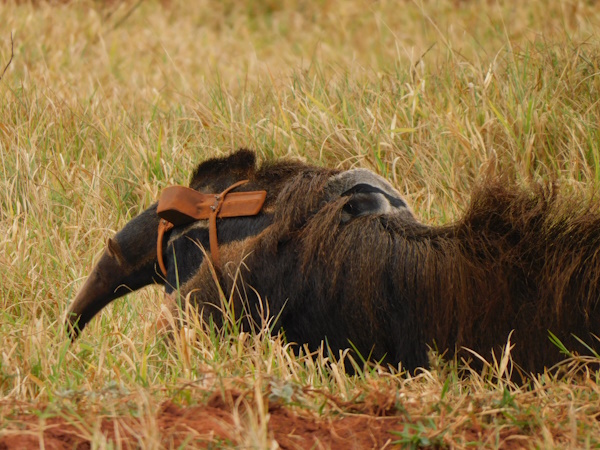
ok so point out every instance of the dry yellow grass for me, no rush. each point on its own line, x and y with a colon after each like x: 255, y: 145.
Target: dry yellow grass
x: 105, y: 103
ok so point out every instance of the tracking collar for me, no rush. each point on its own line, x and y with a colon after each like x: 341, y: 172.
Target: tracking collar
x: 179, y: 205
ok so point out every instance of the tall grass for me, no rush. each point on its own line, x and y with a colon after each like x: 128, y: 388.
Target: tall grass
x: 105, y: 103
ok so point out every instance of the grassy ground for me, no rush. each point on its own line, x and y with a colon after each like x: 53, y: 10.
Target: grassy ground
x: 105, y: 103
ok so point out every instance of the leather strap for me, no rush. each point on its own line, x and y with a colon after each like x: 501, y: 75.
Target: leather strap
x: 180, y: 205
x: 163, y: 227
x: 212, y: 222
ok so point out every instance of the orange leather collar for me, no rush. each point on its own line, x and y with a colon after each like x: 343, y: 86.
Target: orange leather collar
x: 180, y: 205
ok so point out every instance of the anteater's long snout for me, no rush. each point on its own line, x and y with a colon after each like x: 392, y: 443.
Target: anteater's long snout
x: 105, y: 283
x: 127, y: 264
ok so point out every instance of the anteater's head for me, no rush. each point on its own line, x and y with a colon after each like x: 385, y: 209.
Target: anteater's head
x: 129, y: 261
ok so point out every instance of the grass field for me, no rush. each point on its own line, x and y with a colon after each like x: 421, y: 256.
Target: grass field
x: 106, y: 103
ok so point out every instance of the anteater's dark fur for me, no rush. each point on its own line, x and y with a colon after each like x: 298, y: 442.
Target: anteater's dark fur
x: 522, y: 259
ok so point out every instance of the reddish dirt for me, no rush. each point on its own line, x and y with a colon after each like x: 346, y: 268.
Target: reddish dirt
x: 209, y: 425
x: 222, y: 420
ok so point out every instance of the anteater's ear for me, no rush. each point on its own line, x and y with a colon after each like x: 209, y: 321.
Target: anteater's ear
x: 367, y: 193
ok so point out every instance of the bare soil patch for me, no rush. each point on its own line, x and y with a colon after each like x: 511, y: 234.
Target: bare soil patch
x: 208, y: 425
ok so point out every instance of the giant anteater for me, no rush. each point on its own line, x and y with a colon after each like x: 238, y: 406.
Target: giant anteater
x: 339, y: 256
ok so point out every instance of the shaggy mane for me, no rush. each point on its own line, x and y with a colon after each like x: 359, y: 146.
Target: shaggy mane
x: 521, y: 259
